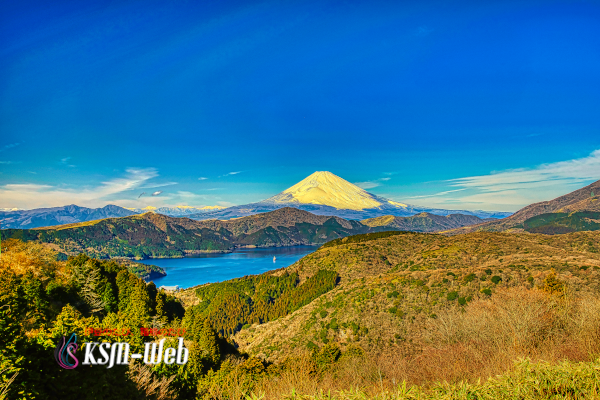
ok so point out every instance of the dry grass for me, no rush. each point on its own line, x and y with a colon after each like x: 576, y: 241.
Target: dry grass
x: 147, y: 383
x: 460, y: 347
x: 424, y: 270
x: 20, y: 258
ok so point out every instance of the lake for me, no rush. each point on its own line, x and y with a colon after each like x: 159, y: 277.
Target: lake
x: 216, y: 267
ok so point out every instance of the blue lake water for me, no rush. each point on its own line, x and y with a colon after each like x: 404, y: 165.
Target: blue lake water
x: 216, y: 267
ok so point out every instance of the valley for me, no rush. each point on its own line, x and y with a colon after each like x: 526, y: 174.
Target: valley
x: 385, y: 300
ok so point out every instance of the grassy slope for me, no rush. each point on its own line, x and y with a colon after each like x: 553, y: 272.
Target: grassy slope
x: 393, y: 284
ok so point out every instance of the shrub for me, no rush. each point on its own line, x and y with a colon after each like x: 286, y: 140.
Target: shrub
x: 451, y: 296
x: 553, y: 285
x: 470, y: 278
x: 328, y: 354
x: 487, y: 292
x: 488, y: 271
x: 324, y: 314
x: 353, y: 351
x: 334, y: 325
x: 496, y: 279
x: 462, y: 301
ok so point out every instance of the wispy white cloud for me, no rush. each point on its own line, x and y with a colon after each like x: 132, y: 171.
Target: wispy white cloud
x: 27, y: 195
x: 564, y: 172
x: 65, y: 161
x: 513, y: 189
x: 374, y: 183
x: 202, y: 178
x: 231, y: 173
x: 155, y: 185
x: 436, y: 194
x: 10, y: 162
x: 9, y: 146
x: 367, y: 185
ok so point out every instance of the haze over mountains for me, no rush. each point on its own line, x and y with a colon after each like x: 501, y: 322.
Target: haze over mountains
x: 176, y: 211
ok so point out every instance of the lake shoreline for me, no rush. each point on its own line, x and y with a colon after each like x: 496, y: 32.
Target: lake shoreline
x: 199, y: 252
x: 198, y: 269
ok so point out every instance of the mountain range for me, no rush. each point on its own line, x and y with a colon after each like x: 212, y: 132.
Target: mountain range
x: 40, y: 217
x: 321, y: 193
x: 155, y: 235
x: 324, y: 193
x: 58, y: 216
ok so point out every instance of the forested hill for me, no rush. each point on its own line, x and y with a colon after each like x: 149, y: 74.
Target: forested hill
x: 393, y: 285
x: 424, y: 222
x: 155, y: 235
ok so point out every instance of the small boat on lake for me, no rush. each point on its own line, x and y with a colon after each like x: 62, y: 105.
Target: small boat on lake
x: 274, y: 258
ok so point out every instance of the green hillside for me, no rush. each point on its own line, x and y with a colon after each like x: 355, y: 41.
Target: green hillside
x: 557, y: 223
x: 424, y: 222
x: 392, y: 284
x: 154, y: 235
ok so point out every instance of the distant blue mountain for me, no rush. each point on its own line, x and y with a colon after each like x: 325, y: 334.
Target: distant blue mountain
x: 27, y: 219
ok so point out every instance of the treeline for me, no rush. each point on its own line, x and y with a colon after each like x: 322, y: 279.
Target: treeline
x: 144, y: 271
x: 366, y: 237
x: 258, y: 299
x: 42, y: 300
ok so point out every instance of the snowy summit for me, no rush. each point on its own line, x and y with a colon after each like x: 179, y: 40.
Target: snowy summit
x: 327, y: 189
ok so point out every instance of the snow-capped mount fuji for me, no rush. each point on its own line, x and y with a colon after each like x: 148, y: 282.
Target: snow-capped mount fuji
x: 326, y: 189
x: 324, y: 193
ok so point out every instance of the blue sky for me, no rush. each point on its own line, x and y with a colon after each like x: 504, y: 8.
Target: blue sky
x: 463, y: 104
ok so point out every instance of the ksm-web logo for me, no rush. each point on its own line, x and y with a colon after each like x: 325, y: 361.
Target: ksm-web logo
x: 65, y: 350
x: 117, y: 353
